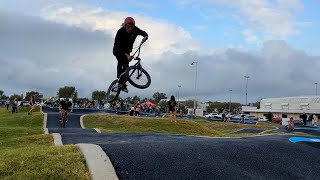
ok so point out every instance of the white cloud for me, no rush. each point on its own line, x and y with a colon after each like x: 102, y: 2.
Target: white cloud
x: 266, y: 19
x: 74, y: 47
x: 163, y: 36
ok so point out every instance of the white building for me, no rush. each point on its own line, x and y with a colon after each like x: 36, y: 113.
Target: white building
x: 286, y: 107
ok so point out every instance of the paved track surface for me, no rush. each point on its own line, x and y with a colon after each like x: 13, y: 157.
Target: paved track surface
x: 166, y: 156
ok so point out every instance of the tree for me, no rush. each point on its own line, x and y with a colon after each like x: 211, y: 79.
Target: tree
x: 158, y: 96
x: 67, y: 92
x: 136, y: 98
x: 83, y: 99
x: 190, y: 103
x: 217, y: 107
x: 38, y: 96
x: 2, y: 96
x: 15, y: 96
x: 257, y: 104
x: 99, y: 95
x: 269, y: 116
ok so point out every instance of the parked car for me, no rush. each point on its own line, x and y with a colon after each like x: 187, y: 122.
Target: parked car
x: 210, y: 115
x: 236, y: 117
x: 263, y: 119
x: 250, y: 117
x: 277, y: 120
x: 23, y: 103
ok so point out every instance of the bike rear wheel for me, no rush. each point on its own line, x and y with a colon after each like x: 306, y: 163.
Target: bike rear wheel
x: 113, y: 91
x: 63, y: 121
x: 138, y: 77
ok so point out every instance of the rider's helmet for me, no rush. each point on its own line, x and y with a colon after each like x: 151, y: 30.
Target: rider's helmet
x: 129, y: 21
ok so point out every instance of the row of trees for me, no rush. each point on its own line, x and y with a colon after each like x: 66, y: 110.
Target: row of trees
x: 71, y: 92
x: 21, y: 97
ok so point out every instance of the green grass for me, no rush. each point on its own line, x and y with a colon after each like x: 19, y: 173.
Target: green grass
x: 109, y: 123
x: 27, y: 153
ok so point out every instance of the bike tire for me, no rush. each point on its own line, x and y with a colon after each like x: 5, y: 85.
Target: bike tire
x: 63, y: 123
x: 135, y: 76
x: 112, y: 94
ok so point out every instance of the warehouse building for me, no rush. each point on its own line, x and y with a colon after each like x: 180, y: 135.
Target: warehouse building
x: 286, y: 107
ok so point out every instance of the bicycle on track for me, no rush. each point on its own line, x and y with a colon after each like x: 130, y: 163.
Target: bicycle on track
x: 135, y: 74
x: 63, y: 118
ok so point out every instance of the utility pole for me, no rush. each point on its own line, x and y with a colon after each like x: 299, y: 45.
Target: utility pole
x: 195, y: 88
x: 247, y: 77
x: 230, y: 101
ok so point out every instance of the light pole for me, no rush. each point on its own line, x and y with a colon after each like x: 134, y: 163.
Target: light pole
x: 195, y: 87
x: 316, y: 88
x: 179, y: 86
x: 247, y: 77
x: 230, y: 101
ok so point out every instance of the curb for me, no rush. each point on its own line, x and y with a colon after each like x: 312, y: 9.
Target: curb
x: 82, y: 125
x: 57, y: 139
x: 81, y: 122
x: 98, y: 163
x: 45, y: 117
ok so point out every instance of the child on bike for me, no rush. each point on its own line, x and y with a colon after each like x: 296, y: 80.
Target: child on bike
x: 123, y: 44
x: 64, y: 106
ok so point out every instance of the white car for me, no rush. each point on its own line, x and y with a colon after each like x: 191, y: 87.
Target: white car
x: 263, y: 119
x: 211, y: 115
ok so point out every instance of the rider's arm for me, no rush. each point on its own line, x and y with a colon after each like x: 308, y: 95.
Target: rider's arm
x: 142, y: 33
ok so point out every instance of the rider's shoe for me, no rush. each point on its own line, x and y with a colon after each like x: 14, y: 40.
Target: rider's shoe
x: 125, y: 89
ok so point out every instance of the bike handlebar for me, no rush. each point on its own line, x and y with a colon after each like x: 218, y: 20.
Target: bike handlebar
x: 138, y: 50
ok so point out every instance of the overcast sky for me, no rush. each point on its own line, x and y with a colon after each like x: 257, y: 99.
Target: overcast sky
x: 45, y: 45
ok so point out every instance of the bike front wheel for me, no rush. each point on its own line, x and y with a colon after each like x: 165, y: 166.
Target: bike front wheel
x: 138, y: 77
x: 113, y: 91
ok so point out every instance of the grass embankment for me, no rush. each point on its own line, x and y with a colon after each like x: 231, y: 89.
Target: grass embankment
x: 27, y: 153
x: 108, y: 123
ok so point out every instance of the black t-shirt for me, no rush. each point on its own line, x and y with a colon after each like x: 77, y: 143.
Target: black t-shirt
x: 172, y: 105
x: 124, y: 41
x: 65, y: 104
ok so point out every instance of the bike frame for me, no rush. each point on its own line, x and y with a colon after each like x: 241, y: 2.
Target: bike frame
x: 138, y: 63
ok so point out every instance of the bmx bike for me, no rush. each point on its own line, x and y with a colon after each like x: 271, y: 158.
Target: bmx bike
x: 63, y: 118
x: 135, y: 74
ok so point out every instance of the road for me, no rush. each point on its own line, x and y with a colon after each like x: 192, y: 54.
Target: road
x: 167, y: 156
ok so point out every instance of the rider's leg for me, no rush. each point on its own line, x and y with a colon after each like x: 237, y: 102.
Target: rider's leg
x: 123, y: 64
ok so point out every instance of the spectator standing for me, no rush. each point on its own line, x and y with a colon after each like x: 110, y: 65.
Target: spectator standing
x: 131, y: 112
x: 14, y: 106
x: 157, y: 111
x: 7, y: 104
x: 32, y: 103
x: 304, y: 118
x: 315, y: 120
x: 172, y: 108
x: 310, y: 118
x: 223, y: 117
x: 137, y: 110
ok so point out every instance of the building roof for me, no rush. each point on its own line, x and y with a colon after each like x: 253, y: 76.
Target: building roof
x: 297, y: 99
x: 297, y: 111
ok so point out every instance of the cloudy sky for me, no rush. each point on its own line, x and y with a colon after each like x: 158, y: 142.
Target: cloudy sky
x: 46, y: 44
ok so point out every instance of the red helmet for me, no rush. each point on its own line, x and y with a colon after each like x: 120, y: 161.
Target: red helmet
x: 129, y: 20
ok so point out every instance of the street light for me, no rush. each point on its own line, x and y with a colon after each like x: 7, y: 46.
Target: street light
x: 195, y: 88
x: 230, y: 101
x: 179, y: 86
x: 316, y: 88
x: 247, y: 77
